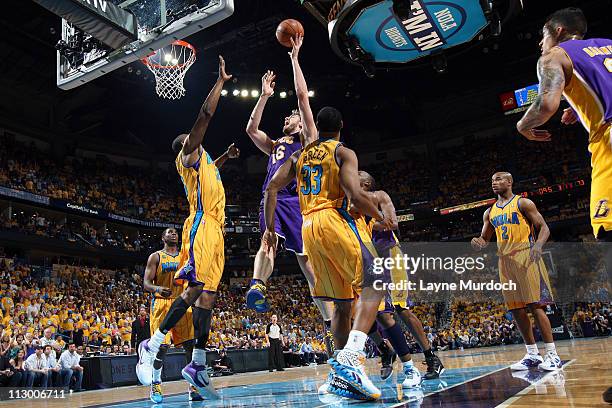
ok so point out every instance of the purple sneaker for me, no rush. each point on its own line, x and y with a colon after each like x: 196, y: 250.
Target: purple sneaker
x: 197, y: 376
x: 144, y: 366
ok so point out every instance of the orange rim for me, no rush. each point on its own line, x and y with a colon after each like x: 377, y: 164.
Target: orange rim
x: 181, y: 43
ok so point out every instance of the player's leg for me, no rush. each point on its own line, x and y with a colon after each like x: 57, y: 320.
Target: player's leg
x: 396, y: 336
x: 159, y: 309
x: 552, y: 361
x: 212, y: 260
x: 148, y: 349
x: 387, y: 355
x: 262, y: 270
x: 523, y: 323
x: 435, y: 368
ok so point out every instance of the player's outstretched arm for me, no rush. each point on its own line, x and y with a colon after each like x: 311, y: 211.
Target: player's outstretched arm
x: 196, y: 136
x: 149, y: 275
x: 481, y: 242
x: 281, y: 178
x: 551, y: 74
x: 232, y: 152
x: 349, y: 181
x: 309, y: 128
x: 388, y: 209
x: 530, y: 211
x: 259, y: 137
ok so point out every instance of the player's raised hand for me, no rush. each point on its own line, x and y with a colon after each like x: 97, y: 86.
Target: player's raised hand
x: 478, y: 243
x: 224, y: 76
x: 233, y: 152
x: 267, y: 83
x: 569, y: 116
x: 296, y: 45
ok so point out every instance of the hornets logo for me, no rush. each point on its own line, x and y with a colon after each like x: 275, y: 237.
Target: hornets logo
x: 602, y: 210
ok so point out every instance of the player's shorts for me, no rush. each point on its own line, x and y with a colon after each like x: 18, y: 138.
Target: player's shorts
x: 398, y: 295
x: 531, y: 279
x: 202, y: 256
x: 181, y: 332
x: 341, y: 258
x: 600, y: 146
x: 287, y: 223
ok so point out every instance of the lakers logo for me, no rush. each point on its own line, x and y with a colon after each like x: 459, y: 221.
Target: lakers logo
x: 602, y: 210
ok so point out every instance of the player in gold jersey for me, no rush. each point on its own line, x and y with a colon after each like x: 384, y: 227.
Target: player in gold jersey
x: 327, y: 180
x: 159, y: 280
x: 202, y: 254
x: 515, y: 221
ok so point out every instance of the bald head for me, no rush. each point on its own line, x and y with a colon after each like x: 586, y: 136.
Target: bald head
x: 367, y: 181
x: 177, y: 143
x: 501, y: 182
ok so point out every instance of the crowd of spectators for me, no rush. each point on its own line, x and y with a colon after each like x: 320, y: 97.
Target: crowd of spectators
x: 447, y: 175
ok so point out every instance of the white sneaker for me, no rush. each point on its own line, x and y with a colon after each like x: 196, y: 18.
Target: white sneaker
x: 529, y: 361
x: 413, y: 377
x: 551, y: 362
x: 144, y: 366
x: 349, y: 367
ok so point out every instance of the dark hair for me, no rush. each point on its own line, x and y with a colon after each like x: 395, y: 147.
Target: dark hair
x: 168, y: 229
x: 177, y: 143
x: 329, y: 120
x: 571, y: 18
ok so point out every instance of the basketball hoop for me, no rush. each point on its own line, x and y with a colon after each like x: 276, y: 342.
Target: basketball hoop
x: 169, y: 65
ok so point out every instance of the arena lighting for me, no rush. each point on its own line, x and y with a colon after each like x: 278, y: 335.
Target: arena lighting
x: 223, y: 92
x: 254, y: 93
x: 311, y: 94
x: 236, y: 92
x: 283, y: 94
x: 244, y: 93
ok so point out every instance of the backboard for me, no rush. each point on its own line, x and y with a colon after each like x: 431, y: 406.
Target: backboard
x: 81, y: 58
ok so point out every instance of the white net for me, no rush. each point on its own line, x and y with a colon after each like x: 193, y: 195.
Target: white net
x: 169, y: 65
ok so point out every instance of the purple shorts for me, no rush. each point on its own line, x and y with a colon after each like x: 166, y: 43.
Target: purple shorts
x: 287, y: 223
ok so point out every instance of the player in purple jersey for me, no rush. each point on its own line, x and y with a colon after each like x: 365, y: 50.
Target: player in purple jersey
x: 580, y: 70
x: 388, y: 246
x: 288, y: 219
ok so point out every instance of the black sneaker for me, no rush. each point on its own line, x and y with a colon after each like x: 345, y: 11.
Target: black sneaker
x: 607, y: 396
x: 387, y: 359
x: 434, y: 368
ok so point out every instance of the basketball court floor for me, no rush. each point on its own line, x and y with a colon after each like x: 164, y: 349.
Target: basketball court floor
x: 473, y: 378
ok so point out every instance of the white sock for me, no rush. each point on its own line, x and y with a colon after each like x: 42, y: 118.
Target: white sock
x: 532, y: 349
x: 408, y: 364
x: 550, y: 348
x: 157, y: 375
x: 356, y: 341
x: 198, y: 356
x: 156, y: 340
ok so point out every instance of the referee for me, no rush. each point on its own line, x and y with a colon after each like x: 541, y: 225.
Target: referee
x: 275, y: 351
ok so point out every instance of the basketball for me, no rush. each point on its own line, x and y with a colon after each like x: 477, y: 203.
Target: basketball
x: 288, y: 29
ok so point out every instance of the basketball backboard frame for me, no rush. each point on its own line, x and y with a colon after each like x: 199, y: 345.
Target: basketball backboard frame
x: 100, y: 62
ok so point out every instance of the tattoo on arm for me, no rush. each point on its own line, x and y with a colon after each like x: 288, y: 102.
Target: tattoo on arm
x: 552, y: 82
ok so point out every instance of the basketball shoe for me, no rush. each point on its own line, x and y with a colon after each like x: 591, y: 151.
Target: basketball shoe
x: 156, y: 392
x: 528, y: 361
x: 387, y: 358
x: 194, y: 395
x: 349, y: 366
x: 197, y: 375
x: 434, y: 368
x: 413, y: 377
x: 256, y: 298
x: 144, y: 367
x: 551, y: 362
